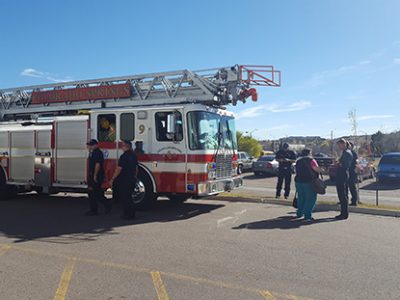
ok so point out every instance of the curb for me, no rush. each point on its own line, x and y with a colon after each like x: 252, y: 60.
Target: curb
x: 318, y: 207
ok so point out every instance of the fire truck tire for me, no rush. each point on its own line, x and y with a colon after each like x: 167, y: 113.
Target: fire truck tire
x: 150, y: 197
x: 240, y: 169
x: 178, y: 198
x: 6, y: 191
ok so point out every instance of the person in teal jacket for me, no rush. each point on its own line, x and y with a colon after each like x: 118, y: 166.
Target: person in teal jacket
x: 307, y: 169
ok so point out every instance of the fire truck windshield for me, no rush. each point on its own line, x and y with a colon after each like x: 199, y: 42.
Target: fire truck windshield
x: 204, y: 128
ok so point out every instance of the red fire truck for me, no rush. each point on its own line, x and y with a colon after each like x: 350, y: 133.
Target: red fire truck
x: 184, y: 136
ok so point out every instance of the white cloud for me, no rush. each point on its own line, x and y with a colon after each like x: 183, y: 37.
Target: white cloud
x: 374, y: 117
x: 321, y: 77
x: 251, y: 112
x: 46, y: 75
x: 278, y: 127
x: 396, y: 61
x: 273, y: 108
x: 365, y: 62
x: 295, y: 106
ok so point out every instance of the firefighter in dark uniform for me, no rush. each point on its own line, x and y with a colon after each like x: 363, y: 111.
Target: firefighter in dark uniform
x: 342, y: 178
x: 285, y: 157
x: 95, y: 179
x: 353, y: 176
x: 124, y: 179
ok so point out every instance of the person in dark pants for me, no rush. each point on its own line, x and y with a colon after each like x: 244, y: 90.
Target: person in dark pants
x: 285, y: 157
x: 124, y: 179
x: 342, y: 178
x: 95, y: 179
x: 352, y: 184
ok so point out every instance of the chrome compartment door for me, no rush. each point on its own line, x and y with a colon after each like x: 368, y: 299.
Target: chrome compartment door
x: 43, y: 157
x: 22, y: 157
x: 71, y: 153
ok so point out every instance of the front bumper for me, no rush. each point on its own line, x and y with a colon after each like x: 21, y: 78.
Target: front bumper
x: 218, y: 186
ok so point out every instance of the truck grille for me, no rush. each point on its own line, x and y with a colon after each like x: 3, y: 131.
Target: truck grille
x: 224, y: 166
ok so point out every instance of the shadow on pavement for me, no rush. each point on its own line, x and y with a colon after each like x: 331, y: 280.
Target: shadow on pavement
x: 60, y: 219
x: 284, y: 222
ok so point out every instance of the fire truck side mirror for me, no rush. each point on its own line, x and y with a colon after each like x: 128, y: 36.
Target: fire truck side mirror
x: 171, y: 124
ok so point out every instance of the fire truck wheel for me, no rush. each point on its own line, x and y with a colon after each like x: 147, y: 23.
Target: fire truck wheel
x: 150, y: 197
x: 6, y: 191
x: 178, y: 198
x: 240, y: 169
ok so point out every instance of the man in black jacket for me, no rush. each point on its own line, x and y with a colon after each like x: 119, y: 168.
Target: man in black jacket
x: 353, y: 176
x: 342, y: 178
x: 286, y: 158
x: 95, y: 179
x: 125, y: 177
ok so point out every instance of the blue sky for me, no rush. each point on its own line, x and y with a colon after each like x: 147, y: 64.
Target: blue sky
x: 335, y: 55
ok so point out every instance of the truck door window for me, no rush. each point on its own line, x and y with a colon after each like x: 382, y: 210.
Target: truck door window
x: 106, y: 128
x: 127, y: 127
x: 161, y: 126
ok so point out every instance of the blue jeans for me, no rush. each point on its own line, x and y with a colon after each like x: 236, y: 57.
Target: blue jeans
x: 306, y: 198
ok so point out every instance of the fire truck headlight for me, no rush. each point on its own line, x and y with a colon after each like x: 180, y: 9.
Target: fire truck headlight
x: 212, y: 175
x: 202, y: 188
x: 234, y: 168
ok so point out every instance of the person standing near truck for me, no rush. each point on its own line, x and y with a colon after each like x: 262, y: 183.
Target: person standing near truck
x: 286, y: 158
x: 342, y: 178
x: 95, y: 179
x: 124, y: 179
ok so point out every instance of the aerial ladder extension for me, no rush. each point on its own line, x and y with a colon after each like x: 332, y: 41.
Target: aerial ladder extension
x: 217, y: 87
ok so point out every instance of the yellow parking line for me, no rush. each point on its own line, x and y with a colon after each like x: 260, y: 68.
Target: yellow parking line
x: 4, y: 249
x: 106, y: 264
x: 65, y: 280
x: 159, y: 286
x: 267, y: 295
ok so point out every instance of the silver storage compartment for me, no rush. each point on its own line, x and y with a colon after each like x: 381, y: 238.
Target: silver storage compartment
x: 71, y: 153
x: 43, y: 158
x: 22, y: 157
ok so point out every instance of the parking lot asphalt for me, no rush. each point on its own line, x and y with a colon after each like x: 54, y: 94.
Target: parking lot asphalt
x: 203, y: 249
x: 388, y: 193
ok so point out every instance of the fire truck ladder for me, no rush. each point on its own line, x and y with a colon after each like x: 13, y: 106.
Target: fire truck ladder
x: 217, y: 87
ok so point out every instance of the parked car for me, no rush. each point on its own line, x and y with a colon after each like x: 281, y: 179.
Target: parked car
x: 266, y: 165
x: 364, y: 168
x: 324, y: 161
x: 245, y: 162
x: 389, y: 167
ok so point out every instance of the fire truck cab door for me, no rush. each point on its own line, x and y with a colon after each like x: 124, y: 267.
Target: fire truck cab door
x: 71, y: 154
x: 43, y: 158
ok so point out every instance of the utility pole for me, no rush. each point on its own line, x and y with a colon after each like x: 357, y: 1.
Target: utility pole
x: 353, y: 121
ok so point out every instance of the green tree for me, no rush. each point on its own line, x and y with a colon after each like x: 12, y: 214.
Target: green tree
x: 248, y: 144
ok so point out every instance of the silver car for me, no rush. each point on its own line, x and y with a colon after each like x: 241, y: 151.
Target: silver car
x: 266, y: 165
x: 245, y: 162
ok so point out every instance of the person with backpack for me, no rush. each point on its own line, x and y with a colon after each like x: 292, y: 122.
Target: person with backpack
x: 307, y: 170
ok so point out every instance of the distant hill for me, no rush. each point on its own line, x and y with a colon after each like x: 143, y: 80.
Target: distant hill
x: 366, y: 145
